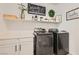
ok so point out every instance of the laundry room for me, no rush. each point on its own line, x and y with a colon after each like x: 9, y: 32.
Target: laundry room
x: 39, y: 28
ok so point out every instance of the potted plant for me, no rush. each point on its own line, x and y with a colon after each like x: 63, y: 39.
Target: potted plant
x: 23, y: 9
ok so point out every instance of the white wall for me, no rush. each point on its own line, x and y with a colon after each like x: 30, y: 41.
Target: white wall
x: 16, y: 26
x: 71, y: 26
x: 6, y: 8
x: 14, y: 29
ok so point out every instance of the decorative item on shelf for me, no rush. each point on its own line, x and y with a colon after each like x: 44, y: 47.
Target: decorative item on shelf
x: 46, y: 19
x: 41, y: 18
x: 23, y: 9
x: 51, y: 13
x: 36, y: 18
x: 58, y: 18
x: 32, y: 18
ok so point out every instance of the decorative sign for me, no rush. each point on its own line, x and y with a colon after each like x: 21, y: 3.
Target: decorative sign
x: 73, y: 14
x: 37, y: 10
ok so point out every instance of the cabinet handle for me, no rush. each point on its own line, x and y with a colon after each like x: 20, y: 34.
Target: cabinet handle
x: 20, y: 47
x: 15, y: 48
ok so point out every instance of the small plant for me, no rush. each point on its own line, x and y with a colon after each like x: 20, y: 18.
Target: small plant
x: 22, y: 8
x: 51, y: 13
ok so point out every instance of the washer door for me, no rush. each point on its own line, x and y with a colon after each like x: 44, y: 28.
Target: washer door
x: 44, y: 45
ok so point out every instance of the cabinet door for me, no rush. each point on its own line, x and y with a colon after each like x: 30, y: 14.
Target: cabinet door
x: 26, y: 46
x: 8, y: 47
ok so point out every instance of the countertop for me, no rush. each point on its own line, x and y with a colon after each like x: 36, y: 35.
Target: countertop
x: 16, y: 34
